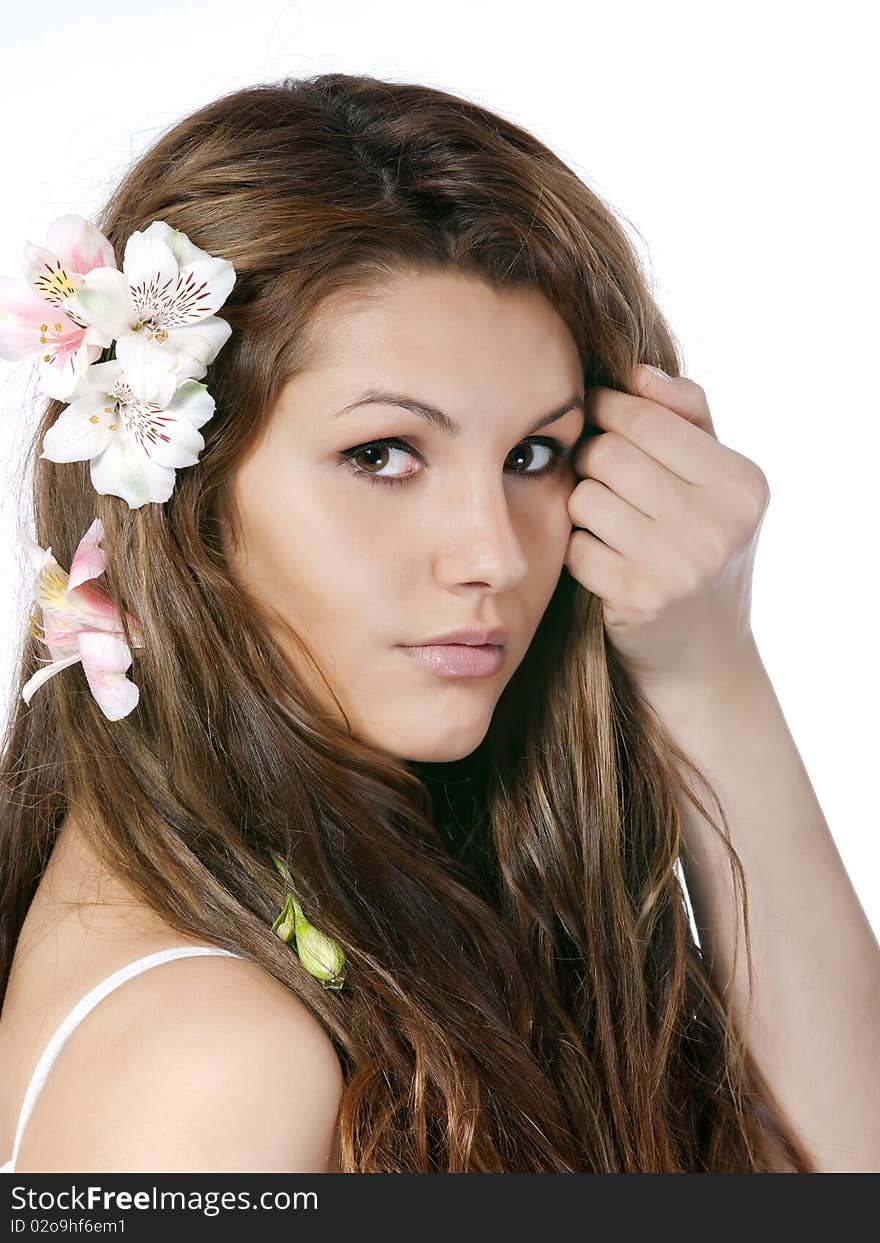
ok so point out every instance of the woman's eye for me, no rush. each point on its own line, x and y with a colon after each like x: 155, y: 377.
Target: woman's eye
x: 377, y: 452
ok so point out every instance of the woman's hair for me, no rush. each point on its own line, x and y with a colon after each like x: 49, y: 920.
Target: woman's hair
x: 522, y: 990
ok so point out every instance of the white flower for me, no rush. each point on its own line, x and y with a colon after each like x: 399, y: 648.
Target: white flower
x: 159, y: 308
x: 135, y: 446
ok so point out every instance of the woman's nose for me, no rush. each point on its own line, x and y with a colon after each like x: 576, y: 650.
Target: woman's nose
x: 479, y: 540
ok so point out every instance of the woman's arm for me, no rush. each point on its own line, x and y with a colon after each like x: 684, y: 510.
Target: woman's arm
x: 666, y: 522
x: 814, y: 1026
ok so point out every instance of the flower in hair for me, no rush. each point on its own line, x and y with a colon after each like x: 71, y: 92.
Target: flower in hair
x: 321, y: 956
x: 134, y: 446
x: 159, y: 309
x: 81, y: 623
x: 36, y: 318
x: 126, y: 349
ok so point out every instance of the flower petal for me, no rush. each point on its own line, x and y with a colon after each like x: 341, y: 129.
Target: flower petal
x: 125, y: 470
x: 29, y: 325
x: 92, y: 608
x: 178, y: 443
x: 193, y: 402
x: 90, y: 559
x: 39, y: 557
x: 21, y: 315
x: 81, y: 431
x: 61, y: 634
x: 105, y: 659
x: 104, y: 300
x: 219, y: 273
x: 202, y: 289
x: 99, y: 379
x: 79, y: 244
x: 46, y: 274
x: 43, y: 675
x: 180, y: 283
x: 50, y: 588
x: 150, y: 267
x: 150, y: 366
x: 66, y: 364
x: 185, y: 252
x: 197, y: 345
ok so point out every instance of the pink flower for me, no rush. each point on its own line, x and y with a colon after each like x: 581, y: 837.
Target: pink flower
x: 81, y: 623
x: 35, y: 316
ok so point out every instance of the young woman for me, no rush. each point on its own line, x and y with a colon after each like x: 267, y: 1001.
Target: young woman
x: 433, y: 423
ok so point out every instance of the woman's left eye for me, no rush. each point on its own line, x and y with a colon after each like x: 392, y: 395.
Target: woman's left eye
x: 555, y: 448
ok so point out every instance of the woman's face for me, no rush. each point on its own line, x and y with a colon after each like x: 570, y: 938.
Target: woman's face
x: 473, y: 533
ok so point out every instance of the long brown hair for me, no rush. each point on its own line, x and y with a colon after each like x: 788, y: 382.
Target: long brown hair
x: 522, y: 989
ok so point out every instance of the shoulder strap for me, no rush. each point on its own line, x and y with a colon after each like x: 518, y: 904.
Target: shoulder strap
x: 82, y: 1008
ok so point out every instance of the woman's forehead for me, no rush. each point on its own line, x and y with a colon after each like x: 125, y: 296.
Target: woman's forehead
x: 448, y: 341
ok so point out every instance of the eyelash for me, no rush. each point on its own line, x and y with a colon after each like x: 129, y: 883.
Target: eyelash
x: 559, y: 452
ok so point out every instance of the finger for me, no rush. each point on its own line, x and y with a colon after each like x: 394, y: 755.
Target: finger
x: 668, y: 437
x: 619, y: 525
x: 678, y: 393
x: 596, y: 567
x: 633, y: 474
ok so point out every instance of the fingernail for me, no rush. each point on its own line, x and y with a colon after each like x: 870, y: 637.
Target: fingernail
x: 658, y: 372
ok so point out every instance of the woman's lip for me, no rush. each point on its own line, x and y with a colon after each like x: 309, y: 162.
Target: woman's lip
x: 460, y: 660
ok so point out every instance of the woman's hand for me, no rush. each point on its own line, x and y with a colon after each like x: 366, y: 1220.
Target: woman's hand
x: 673, y: 518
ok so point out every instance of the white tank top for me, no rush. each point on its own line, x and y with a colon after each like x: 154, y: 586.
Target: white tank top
x: 78, y: 1013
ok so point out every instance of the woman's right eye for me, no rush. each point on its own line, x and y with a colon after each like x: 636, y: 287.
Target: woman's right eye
x: 378, y: 448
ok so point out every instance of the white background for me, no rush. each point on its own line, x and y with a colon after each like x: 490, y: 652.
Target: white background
x: 739, y: 146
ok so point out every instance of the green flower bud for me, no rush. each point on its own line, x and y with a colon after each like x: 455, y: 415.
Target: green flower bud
x: 319, y: 954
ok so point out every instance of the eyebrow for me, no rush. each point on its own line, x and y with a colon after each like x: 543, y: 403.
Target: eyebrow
x: 385, y: 397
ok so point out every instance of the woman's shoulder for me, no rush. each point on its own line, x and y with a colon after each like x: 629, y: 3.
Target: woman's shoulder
x: 201, y: 1062
x: 205, y: 1063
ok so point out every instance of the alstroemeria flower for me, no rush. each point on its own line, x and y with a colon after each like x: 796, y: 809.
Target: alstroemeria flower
x: 160, y: 309
x: 81, y: 623
x: 134, y: 446
x: 36, y: 317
